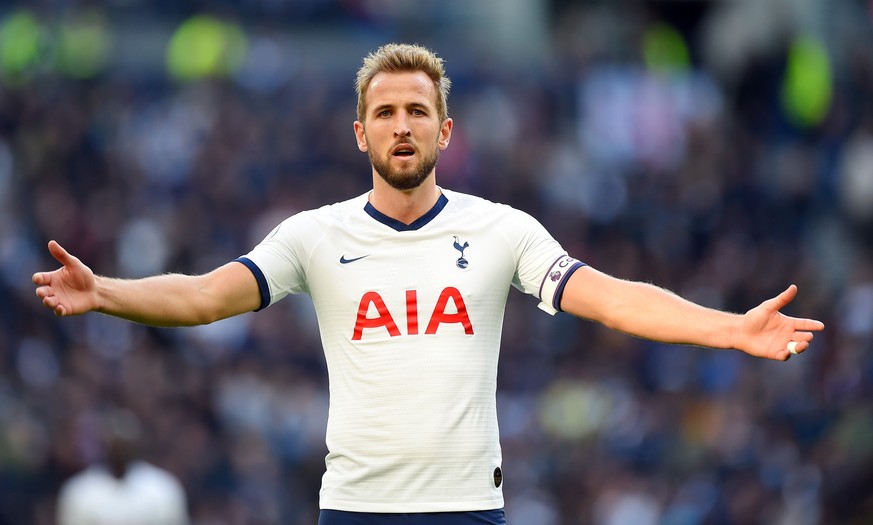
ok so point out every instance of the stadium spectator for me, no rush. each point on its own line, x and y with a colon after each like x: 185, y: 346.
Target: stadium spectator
x: 122, y: 488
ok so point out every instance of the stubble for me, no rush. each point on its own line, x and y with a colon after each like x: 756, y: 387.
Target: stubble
x: 405, y: 179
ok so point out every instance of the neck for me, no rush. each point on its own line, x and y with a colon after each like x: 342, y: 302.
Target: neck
x: 404, y: 205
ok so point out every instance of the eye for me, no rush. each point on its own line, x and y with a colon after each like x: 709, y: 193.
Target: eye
x: 384, y: 113
x: 418, y: 113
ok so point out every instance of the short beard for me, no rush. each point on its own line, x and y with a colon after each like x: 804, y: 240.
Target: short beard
x: 405, y: 181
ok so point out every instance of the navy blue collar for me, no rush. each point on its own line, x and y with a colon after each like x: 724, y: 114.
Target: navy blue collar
x: 414, y: 225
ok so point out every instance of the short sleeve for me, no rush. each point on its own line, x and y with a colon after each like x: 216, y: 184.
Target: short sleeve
x: 279, y: 261
x: 543, y: 266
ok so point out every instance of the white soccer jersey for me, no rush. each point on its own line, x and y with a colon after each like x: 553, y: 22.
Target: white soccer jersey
x: 410, y: 319
x: 146, y: 495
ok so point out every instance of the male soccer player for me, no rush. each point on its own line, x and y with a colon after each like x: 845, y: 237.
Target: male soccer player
x: 409, y: 282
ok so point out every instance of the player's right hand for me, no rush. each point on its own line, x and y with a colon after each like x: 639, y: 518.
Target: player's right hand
x: 69, y: 290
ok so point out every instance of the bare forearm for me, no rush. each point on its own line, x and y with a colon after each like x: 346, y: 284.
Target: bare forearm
x: 181, y: 300
x: 645, y: 310
x: 163, y: 300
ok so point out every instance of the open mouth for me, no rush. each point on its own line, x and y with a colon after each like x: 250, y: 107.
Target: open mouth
x: 403, y: 151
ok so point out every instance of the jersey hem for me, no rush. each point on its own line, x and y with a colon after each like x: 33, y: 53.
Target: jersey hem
x: 405, y: 507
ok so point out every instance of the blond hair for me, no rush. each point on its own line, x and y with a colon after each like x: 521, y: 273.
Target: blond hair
x: 393, y: 58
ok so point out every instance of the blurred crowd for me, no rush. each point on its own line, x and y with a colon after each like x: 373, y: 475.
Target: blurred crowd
x: 695, y: 178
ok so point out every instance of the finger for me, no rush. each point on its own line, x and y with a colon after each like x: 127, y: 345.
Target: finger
x: 60, y: 254
x: 808, y: 325
x: 39, y: 278
x: 784, y: 354
x: 797, y: 346
x: 50, y: 302
x: 783, y: 298
x: 802, y: 336
x: 53, y: 304
x: 43, y: 291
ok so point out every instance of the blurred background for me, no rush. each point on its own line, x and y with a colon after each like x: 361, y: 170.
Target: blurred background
x: 721, y: 149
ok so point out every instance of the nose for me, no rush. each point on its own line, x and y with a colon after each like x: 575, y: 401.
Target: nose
x: 401, y: 126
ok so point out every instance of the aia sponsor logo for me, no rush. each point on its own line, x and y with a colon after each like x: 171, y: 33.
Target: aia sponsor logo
x: 384, y: 320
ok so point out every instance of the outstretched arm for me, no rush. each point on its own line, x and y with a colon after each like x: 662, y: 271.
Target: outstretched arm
x: 651, y: 312
x: 163, y: 300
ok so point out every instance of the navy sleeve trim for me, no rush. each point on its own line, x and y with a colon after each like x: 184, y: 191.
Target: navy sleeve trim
x: 260, y: 278
x: 559, y: 293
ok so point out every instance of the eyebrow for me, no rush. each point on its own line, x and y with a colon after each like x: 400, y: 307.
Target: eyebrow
x: 411, y: 105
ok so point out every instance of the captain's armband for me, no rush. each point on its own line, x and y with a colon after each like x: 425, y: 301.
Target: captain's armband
x: 552, y: 287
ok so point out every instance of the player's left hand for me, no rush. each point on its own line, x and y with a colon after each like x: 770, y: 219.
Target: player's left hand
x: 765, y: 332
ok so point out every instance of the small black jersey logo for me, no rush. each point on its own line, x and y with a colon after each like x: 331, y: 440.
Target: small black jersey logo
x: 343, y: 259
x: 498, y: 477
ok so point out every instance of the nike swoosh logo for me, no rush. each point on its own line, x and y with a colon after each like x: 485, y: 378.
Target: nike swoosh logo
x: 343, y: 259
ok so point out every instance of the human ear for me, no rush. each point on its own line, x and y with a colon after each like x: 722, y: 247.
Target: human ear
x: 360, y: 136
x: 445, y: 133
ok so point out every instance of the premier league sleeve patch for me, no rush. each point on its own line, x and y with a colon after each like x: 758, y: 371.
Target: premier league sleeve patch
x: 552, y: 286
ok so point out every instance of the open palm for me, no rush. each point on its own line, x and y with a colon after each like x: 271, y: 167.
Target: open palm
x: 69, y: 290
x: 766, y: 332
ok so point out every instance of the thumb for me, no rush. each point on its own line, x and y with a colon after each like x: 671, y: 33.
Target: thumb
x: 781, y: 300
x: 60, y: 254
